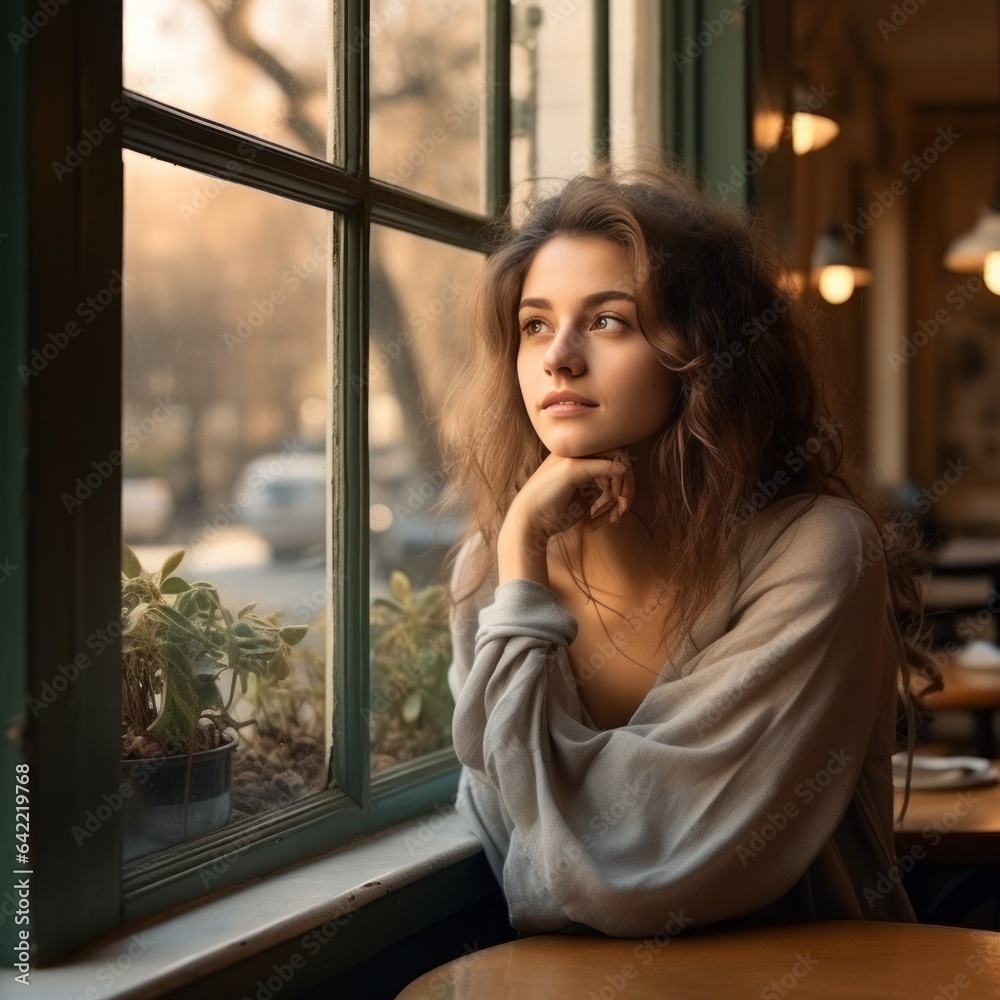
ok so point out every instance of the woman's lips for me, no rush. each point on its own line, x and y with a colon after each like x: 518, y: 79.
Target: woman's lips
x: 568, y: 409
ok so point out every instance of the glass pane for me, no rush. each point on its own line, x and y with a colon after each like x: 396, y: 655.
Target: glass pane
x: 225, y: 456
x: 411, y: 361
x: 635, y: 76
x: 551, y: 89
x: 263, y: 66
x: 429, y: 98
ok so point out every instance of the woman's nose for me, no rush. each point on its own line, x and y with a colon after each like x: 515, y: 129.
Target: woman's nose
x: 565, y: 351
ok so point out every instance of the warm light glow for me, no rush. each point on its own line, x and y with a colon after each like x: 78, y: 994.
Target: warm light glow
x: 767, y: 129
x: 379, y: 517
x: 811, y: 132
x: 836, y: 283
x: 991, y: 271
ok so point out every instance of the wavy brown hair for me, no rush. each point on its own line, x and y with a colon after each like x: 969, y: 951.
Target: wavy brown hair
x: 713, y: 302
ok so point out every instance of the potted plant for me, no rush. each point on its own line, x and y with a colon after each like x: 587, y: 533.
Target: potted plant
x: 178, y: 723
x: 411, y: 703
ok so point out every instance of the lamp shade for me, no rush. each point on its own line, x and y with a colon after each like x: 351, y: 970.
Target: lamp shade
x: 967, y: 253
x: 811, y: 132
x: 836, y: 265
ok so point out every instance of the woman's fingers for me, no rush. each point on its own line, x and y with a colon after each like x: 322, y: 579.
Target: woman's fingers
x: 617, y: 488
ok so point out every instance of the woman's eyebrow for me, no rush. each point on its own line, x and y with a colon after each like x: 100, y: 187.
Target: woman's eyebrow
x: 596, y: 299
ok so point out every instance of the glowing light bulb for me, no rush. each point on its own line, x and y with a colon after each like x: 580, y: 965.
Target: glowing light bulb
x: 811, y: 132
x: 991, y: 271
x: 836, y: 283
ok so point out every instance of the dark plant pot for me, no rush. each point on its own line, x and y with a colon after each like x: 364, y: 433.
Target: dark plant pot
x: 153, y: 793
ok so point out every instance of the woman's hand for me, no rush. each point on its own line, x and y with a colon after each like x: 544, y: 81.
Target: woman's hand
x: 561, y: 492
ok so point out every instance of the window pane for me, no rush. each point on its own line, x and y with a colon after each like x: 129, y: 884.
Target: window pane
x: 429, y: 98
x: 225, y: 456
x: 551, y: 89
x: 263, y: 66
x: 416, y: 346
x: 635, y: 75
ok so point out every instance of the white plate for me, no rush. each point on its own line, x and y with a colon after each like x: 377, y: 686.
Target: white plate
x: 931, y: 773
x: 979, y: 655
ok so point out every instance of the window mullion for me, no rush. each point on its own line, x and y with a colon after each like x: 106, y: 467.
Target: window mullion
x: 72, y: 373
x: 350, y: 595
x: 498, y: 121
x: 601, y: 137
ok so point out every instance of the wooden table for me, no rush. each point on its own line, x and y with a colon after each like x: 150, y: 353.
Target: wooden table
x: 967, y: 689
x: 837, y: 959
x: 953, y: 827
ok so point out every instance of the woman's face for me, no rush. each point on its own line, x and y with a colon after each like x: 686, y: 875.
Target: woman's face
x: 579, y: 337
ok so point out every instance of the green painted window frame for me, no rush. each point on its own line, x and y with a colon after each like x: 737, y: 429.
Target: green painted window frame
x: 68, y: 240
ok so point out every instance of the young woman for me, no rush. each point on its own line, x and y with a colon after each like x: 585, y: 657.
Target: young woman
x: 678, y: 659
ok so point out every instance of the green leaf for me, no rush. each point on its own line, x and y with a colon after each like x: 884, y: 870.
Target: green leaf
x: 293, y: 634
x: 171, y: 563
x: 412, y: 706
x: 246, y: 609
x: 278, y: 666
x: 131, y: 566
x: 399, y: 584
x: 174, y: 585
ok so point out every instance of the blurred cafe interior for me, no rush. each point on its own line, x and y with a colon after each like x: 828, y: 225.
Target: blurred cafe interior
x: 262, y: 216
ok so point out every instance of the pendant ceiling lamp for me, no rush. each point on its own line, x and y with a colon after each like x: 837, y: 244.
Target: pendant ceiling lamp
x: 977, y: 251
x: 810, y: 130
x: 836, y: 266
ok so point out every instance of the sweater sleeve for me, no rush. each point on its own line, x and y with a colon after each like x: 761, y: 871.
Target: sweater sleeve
x: 728, y: 780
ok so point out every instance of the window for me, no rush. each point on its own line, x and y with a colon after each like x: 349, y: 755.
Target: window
x: 245, y: 250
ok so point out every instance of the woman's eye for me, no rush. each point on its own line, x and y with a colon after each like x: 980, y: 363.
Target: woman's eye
x: 530, y: 326
x: 606, y: 322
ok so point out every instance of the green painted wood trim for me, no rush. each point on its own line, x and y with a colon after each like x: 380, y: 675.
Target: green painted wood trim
x: 601, y: 124
x: 498, y: 106
x: 254, y: 849
x: 318, y: 955
x: 74, y: 434
x: 13, y: 445
x: 707, y: 99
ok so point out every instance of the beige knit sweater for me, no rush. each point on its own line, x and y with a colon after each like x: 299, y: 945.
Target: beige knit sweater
x: 754, y: 780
